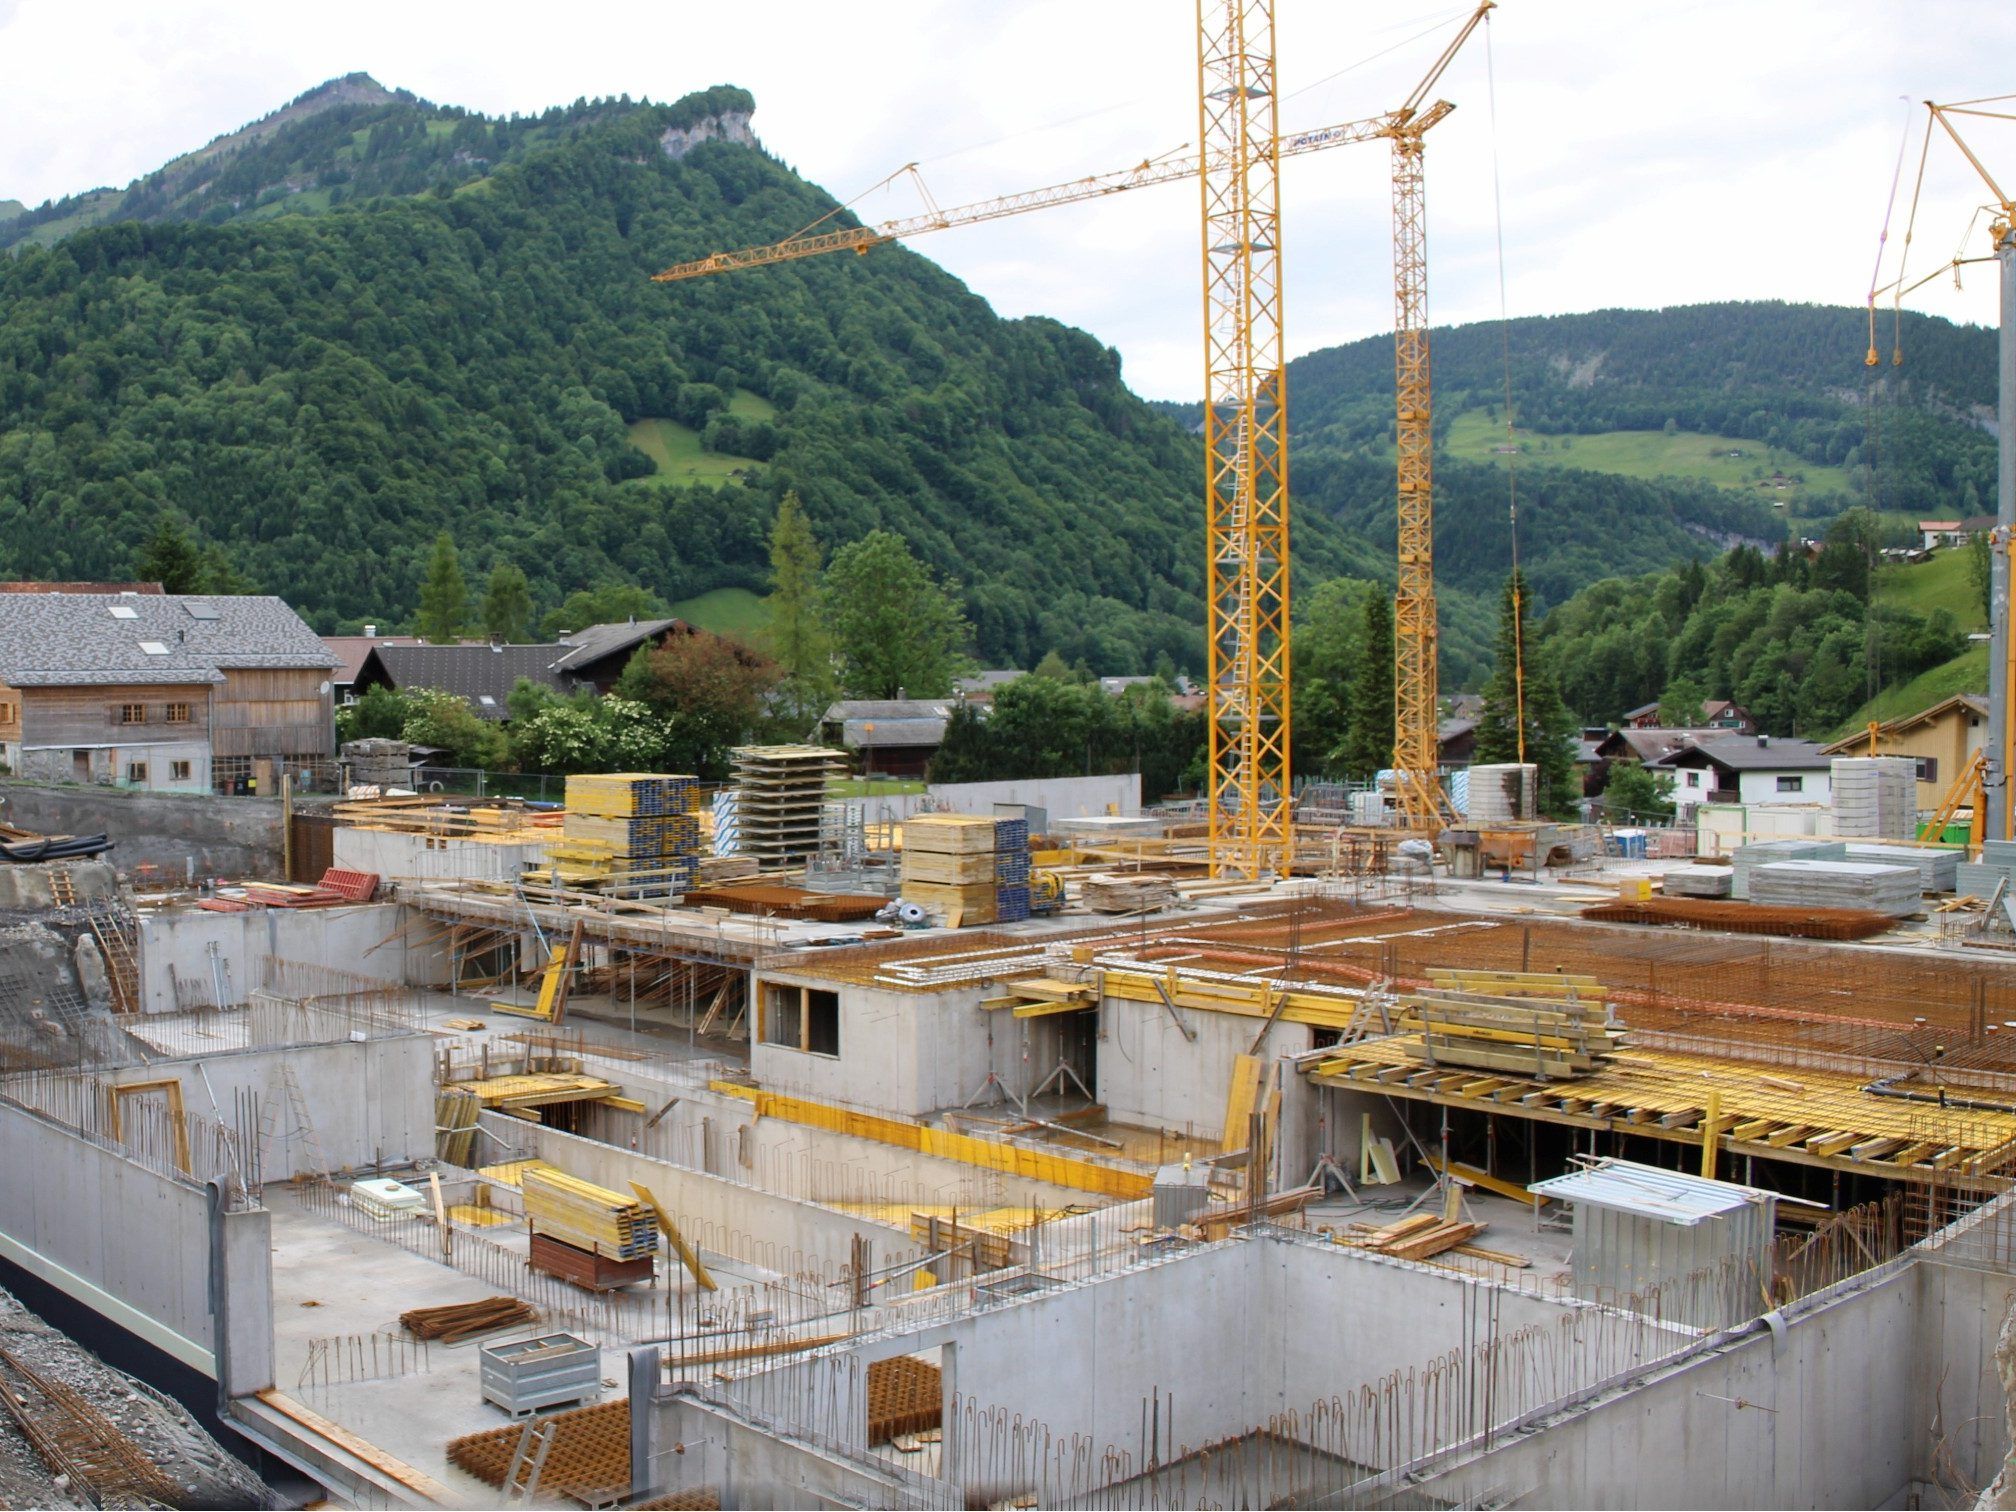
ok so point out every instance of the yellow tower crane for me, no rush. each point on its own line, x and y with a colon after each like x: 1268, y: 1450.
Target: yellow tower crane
x: 1416, y: 722
x: 1248, y: 686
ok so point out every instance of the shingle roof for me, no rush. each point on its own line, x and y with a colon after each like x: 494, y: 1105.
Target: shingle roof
x: 471, y: 673
x: 895, y: 721
x: 55, y: 640
x: 1743, y: 753
x: 350, y: 650
x: 594, y: 642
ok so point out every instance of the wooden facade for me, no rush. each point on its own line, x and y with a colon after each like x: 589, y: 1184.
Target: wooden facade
x: 10, y: 716
x: 272, y: 712
x: 102, y: 715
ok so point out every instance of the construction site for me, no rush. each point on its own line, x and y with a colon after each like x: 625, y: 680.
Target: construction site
x: 1038, y: 1145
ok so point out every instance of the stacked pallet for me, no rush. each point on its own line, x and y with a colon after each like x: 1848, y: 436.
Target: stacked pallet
x: 588, y: 1217
x: 1937, y: 867
x: 1529, y: 1025
x: 1011, y: 870
x: 455, y: 1111
x: 1863, y: 885
x: 948, y: 867
x: 1765, y: 852
x: 1875, y: 797
x: 385, y: 1199
x: 1696, y: 881
x: 1996, y: 868
x: 779, y: 801
x: 628, y: 832
x: 1126, y: 892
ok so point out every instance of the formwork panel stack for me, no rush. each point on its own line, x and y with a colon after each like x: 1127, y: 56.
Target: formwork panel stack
x: 949, y: 867
x: 1874, y: 797
x: 630, y: 832
x: 1011, y: 870
x: 780, y: 798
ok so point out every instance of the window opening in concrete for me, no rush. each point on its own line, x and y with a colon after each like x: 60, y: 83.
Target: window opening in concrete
x: 783, y: 1015
x: 822, y: 1022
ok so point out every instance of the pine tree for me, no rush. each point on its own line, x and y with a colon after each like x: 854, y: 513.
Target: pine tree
x: 444, y: 597
x: 1550, y: 728
x: 170, y: 558
x: 797, y: 628
x: 507, y: 605
x: 1368, y: 740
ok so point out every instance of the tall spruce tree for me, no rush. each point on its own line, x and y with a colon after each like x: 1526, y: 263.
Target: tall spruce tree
x: 1550, y: 728
x: 798, y: 635
x: 444, y: 596
x: 507, y: 605
x: 1368, y: 740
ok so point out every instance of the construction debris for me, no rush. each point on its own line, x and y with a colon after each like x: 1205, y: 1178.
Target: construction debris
x: 1415, y: 1238
x: 464, y: 1320
x: 1533, y: 1024
x: 1126, y: 892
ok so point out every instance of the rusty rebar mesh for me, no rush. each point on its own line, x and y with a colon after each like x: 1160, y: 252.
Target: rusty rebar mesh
x: 698, y: 1499
x: 904, y: 1396
x: 779, y: 901
x: 1747, y: 918
x: 590, y: 1457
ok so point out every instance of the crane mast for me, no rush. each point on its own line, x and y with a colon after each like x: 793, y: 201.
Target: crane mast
x: 1245, y: 441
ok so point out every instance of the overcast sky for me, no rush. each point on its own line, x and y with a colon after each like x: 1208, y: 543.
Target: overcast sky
x: 1648, y: 154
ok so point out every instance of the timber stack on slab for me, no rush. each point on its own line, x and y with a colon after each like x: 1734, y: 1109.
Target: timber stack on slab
x: 587, y: 1216
x: 949, y: 867
x: 1536, y: 1024
x: 780, y: 799
x: 632, y: 833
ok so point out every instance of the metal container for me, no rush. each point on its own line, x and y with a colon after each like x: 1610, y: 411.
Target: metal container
x: 524, y: 1375
x: 1180, y: 1194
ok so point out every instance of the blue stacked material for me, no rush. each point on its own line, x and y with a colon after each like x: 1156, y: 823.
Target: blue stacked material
x: 1011, y: 868
x: 1011, y: 834
x: 1011, y: 903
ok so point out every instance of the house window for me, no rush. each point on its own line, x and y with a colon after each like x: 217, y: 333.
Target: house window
x: 176, y: 713
x: 136, y: 773
x: 132, y: 713
x: 178, y: 771
x: 1693, y: 778
x: 1791, y: 784
x: 801, y: 1018
x: 1928, y: 768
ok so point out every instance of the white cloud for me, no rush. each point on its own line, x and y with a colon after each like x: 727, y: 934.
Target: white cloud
x: 1647, y: 155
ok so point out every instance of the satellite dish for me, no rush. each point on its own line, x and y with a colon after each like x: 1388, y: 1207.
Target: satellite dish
x: 325, y: 686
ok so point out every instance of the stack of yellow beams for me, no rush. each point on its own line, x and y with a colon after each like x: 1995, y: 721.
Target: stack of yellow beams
x: 587, y: 1216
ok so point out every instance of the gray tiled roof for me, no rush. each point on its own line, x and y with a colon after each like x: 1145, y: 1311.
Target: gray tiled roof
x: 1745, y: 753
x: 594, y: 642
x: 55, y: 640
x: 471, y: 673
x: 880, y: 733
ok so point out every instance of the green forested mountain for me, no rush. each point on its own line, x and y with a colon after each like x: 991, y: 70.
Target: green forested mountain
x: 322, y: 393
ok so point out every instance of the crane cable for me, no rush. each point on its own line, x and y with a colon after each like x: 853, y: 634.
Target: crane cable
x: 1512, y: 448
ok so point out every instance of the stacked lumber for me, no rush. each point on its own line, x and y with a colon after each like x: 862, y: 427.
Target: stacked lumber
x: 949, y: 867
x: 1531, y: 1025
x: 633, y: 833
x: 1126, y: 892
x: 464, y: 1320
x: 587, y: 1216
x: 1416, y: 1238
x: 714, y: 871
x: 780, y: 802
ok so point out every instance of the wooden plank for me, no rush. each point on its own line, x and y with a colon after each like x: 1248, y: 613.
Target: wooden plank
x: 388, y: 1465
x: 1483, y: 1179
x: 1240, y: 1099
x: 688, y: 1256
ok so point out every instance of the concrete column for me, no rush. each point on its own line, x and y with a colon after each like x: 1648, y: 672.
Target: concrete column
x: 2005, y: 531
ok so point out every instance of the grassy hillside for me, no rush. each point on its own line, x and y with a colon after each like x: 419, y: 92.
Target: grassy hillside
x: 1757, y: 469
x: 726, y: 611
x: 1966, y: 673
x: 1946, y: 583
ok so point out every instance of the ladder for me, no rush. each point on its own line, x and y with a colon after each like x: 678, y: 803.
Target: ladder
x: 1371, y: 1017
x: 62, y: 887
x: 528, y: 1460
x: 122, y: 964
x: 303, y: 1125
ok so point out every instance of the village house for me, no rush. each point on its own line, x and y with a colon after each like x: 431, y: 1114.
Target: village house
x: 1747, y: 769
x: 1940, y: 739
x: 176, y: 692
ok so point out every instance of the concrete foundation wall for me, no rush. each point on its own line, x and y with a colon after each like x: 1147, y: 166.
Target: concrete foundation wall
x: 1150, y: 1073
x: 724, y: 1216
x: 133, y: 1245
x: 368, y: 1101
x: 1059, y: 797
x: 749, y: 1467
x: 180, y: 834
x: 434, y: 858
x: 367, y: 939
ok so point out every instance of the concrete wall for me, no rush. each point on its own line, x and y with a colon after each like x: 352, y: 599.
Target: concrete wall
x: 368, y: 939
x: 1060, y: 797
x: 715, y: 1212
x: 697, y: 1445
x: 906, y: 1053
x: 392, y: 855
x: 1151, y: 1074
x: 368, y: 1101
x: 178, y: 833
x: 136, y: 1247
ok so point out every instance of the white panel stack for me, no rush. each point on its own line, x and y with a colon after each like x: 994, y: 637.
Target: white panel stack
x: 1837, y: 884
x: 1764, y: 852
x: 1697, y: 881
x: 1503, y: 793
x: 1938, y: 868
x: 1875, y: 797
